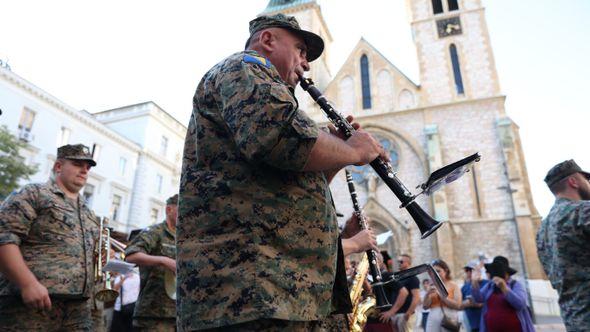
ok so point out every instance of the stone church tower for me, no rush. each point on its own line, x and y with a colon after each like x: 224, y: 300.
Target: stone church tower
x: 456, y: 110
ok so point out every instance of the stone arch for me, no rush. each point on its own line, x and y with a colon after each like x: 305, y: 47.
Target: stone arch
x: 346, y: 94
x: 384, y: 220
x: 406, y: 99
x: 385, y: 93
x: 402, y: 136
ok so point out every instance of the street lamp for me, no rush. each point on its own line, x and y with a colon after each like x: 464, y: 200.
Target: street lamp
x: 508, y: 188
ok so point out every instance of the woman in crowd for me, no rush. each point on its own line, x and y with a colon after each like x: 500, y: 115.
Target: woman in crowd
x: 504, y: 299
x: 442, y: 306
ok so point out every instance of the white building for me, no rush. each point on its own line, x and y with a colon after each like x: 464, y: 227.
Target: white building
x: 136, y: 172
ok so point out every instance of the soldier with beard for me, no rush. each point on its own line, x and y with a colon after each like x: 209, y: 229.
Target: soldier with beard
x: 563, y: 242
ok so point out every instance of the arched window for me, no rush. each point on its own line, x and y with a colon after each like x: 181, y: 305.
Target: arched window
x: 365, y: 84
x: 437, y: 7
x: 456, y: 69
x: 453, y: 5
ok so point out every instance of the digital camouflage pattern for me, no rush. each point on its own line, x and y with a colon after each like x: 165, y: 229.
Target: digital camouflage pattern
x: 154, y: 324
x: 153, y: 302
x: 256, y: 236
x: 57, y: 240
x: 563, y: 244
x: 65, y: 315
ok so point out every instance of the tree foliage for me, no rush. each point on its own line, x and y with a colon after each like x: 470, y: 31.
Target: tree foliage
x: 12, y: 166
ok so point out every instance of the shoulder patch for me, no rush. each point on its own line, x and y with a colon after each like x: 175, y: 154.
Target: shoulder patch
x: 257, y: 60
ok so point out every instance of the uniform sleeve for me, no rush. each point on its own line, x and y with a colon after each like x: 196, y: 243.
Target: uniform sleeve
x: 17, y: 213
x: 144, y: 242
x: 584, y: 219
x: 262, y: 116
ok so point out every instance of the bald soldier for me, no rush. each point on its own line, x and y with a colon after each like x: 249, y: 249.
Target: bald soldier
x: 47, y: 238
x: 257, y: 238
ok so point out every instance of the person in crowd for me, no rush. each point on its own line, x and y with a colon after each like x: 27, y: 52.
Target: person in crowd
x: 424, y: 312
x: 442, y: 308
x: 504, y: 299
x: 128, y: 287
x: 563, y: 242
x: 403, y: 317
x: 47, y: 243
x: 154, y: 251
x: 471, y: 308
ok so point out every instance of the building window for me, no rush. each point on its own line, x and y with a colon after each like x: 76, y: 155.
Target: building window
x: 26, y: 124
x: 116, y: 207
x: 159, y: 180
x: 437, y: 6
x: 365, y: 84
x: 453, y: 5
x: 456, y: 69
x: 88, y: 194
x: 163, y: 145
x: 122, y: 165
x: 96, y: 149
x: 154, y: 216
x: 64, y: 136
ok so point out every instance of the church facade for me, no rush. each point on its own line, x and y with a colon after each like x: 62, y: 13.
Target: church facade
x: 457, y: 109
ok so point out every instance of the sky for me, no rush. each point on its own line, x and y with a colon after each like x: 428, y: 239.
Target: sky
x: 98, y: 55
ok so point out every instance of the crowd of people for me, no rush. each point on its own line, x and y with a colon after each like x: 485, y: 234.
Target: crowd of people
x: 252, y: 237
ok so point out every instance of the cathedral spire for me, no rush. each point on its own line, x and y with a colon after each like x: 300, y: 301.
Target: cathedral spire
x: 284, y: 5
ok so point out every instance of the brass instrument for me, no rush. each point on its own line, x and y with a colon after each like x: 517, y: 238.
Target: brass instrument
x: 102, y: 257
x: 360, y: 310
x: 378, y: 302
x: 170, y: 284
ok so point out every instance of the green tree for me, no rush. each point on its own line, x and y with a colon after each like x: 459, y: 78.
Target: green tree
x: 12, y: 165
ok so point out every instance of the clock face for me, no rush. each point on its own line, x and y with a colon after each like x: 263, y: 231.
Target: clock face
x: 449, y: 27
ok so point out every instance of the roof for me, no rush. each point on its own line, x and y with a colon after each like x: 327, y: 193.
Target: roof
x: 280, y: 5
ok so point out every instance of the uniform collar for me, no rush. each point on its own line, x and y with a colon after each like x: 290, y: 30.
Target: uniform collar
x: 52, y: 184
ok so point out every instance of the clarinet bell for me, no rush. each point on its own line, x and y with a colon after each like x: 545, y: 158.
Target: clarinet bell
x: 425, y: 223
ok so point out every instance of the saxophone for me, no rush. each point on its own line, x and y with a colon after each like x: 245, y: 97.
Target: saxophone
x: 358, y: 318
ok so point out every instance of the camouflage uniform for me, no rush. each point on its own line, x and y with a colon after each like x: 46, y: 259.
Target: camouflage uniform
x: 257, y: 237
x: 563, y: 244
x: 56, y: 237
x: 154, y: 310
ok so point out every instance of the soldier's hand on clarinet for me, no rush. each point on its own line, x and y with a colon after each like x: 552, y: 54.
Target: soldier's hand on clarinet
x: 366, y: 147
x: 338, y: 133
x: 364, y: 240
x: 36, y: 296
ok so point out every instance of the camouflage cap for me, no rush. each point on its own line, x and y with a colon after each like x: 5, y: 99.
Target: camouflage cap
x: 172, y: 200
x: 315, y: 43
x: 76, y: 152
x: 563, y: 170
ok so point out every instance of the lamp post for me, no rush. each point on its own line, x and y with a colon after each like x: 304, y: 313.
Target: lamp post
x: 508, y: 188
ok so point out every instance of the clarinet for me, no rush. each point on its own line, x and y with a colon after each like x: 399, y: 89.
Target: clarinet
x: 425, y: 223
x: 377, y: 284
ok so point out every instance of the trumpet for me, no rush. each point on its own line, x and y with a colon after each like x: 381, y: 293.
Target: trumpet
x: 102, y: 257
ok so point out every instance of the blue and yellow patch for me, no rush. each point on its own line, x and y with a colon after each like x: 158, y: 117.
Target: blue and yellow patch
x: 257, y: 60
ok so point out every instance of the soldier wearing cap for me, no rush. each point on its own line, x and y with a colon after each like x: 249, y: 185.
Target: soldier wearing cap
x: 47, y: 239
x: 257, y: 238
x: 563, y: 242
x: 154, y: 251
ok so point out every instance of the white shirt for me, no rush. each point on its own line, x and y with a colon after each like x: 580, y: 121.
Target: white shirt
x: 129, y: 289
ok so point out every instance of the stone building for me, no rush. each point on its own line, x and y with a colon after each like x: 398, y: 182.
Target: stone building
x: 457, y: 109
x: 137, y: 148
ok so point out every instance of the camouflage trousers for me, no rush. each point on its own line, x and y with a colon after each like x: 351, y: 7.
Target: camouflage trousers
x: 270, y: 325
x: 154, y: 324
x: 65, y: 315
x: 334, y: 323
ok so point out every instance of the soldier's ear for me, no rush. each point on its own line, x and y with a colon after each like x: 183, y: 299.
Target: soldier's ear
x: 266, y: 40
x: 573, y: 182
